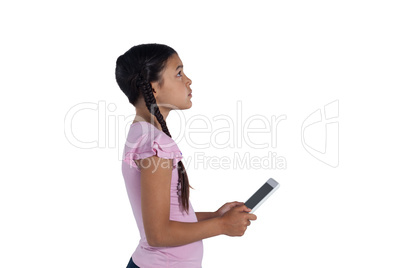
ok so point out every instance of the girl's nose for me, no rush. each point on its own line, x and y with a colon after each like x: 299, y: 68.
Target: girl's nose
x: 189, y: 82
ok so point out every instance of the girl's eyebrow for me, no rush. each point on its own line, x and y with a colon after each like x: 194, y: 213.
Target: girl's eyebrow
x: 178, y: 67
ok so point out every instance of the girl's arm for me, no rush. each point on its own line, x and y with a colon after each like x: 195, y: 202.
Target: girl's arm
x: 206, y: 215
x: 222, y: 210
x: 156, y: 174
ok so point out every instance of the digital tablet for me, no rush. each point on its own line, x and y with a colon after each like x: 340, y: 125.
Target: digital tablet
x: 262, y: 194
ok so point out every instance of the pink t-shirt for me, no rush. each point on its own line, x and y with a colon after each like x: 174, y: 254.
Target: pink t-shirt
x: 145, y: 140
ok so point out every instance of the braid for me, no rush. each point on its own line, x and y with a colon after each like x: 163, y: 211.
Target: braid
x: 150, y: 101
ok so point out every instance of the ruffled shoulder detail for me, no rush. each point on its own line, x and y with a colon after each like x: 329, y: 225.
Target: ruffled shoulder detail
x: 145, y: 140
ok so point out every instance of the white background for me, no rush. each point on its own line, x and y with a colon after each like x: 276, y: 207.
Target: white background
x: 64, y: 205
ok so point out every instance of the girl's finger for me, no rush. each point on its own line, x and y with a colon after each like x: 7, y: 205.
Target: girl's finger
x: 243, y: 208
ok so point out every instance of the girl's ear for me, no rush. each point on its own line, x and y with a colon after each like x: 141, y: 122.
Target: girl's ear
x: 155, y: 88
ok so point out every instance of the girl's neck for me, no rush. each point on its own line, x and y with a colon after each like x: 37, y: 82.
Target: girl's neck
x: 142, y: 114
x: 154, y: 122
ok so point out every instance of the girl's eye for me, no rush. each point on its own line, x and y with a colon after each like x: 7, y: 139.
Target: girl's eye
x: 179, y: 74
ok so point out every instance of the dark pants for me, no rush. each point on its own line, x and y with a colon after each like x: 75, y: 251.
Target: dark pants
x: 131, y: 264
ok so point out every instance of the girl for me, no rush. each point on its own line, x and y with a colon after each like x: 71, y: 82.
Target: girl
x: 152, y: 77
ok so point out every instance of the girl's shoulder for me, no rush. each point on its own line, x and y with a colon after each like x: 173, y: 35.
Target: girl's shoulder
x: 145, y: 140
x: 142, y: 132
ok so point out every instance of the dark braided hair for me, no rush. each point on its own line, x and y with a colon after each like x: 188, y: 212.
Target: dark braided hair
x: 135, y: 70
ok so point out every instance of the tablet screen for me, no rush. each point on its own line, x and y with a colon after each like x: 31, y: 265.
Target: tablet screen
x: 259, y: 195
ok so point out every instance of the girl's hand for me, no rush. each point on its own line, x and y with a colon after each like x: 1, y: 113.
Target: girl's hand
x: 235, y: 221
x: 226, y: 207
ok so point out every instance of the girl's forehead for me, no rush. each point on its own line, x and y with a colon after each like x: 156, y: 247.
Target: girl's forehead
x: 174, y: 62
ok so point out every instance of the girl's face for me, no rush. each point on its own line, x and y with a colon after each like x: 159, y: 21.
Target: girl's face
x: 175, y: 91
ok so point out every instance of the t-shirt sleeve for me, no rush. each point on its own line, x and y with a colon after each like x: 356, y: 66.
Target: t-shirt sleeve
x: 148, y: 145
